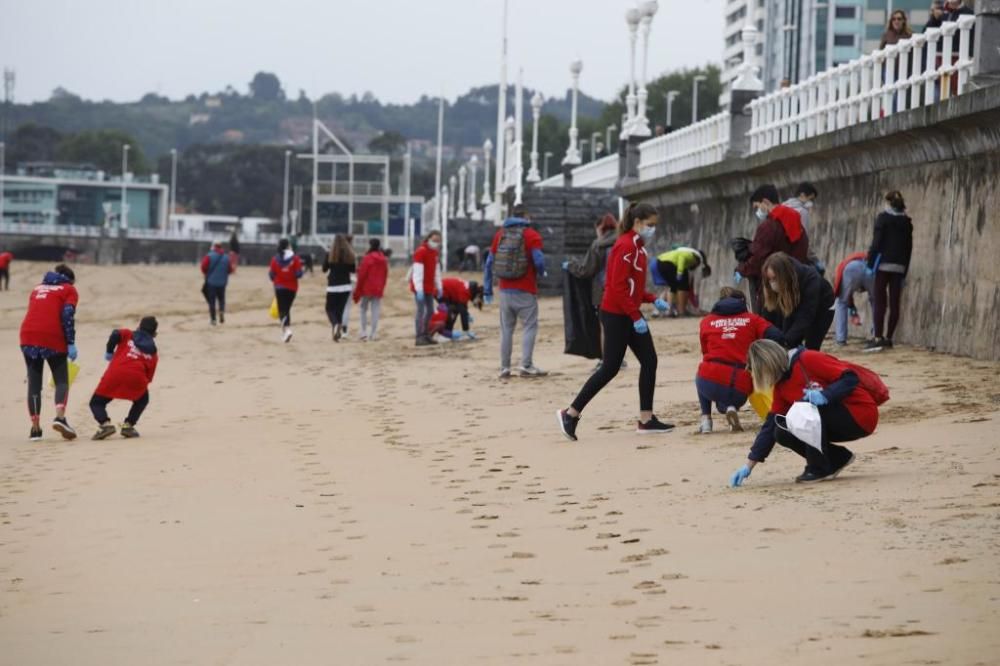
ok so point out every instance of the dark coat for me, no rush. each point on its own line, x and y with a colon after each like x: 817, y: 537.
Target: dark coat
x: 892, y: 239
x: 815, y: 297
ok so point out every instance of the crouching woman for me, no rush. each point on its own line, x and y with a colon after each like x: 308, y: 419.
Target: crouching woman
x: 847, y: 410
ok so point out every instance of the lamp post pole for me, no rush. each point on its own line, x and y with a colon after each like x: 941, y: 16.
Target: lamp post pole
x: 694, y: 98
x: 284, y: 200
x: 407, y: 220
x: 536, y: 113
x: 487, y: 148
x: 545, y: 171
x: 444, y: 226
x: 670, y: 95
x: 647, y: 11
x: 460, y: 205
x: 632, y: 18
x: 124, y: 211
x: 173, y: 187
x: 437, y: 166
x: 572, y: 157
x: 452, y: 195
x: 607, y: 136
x: 3, y: 169
x: 501, y: 122
x: 473, y: 163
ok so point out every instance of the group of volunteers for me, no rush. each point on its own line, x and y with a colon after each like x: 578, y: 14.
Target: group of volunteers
x: 770, y: 345
x: 48, y: 337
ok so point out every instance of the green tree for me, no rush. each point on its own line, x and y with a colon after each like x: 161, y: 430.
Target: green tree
x: 32, y: 143
x: 390, y: 143
x: 266, y: 87
x: 683, y: 82
x: 103, y: 149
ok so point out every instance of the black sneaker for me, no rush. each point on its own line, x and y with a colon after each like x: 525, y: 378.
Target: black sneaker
x: 873, y: 345
x: 128, y: 430
x: 222, y: 317
x: 423, y: 341
x: 212, y: 321
x: 36, y: 434
x: 60, y: 425
x: 567, y: 424
x: 842, y: 467
x: 887, y: 344
x: 104, y: 431
x: 809, y: 476
x: 653, y: 426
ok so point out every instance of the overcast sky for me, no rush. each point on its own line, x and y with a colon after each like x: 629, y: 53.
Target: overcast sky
x: 397, y: 49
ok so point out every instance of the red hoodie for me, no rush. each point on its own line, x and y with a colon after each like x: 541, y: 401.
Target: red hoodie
x: 726, y: 335
x: 782, y: 231
x: 455, y: 291
x: 285, y: 271
x: 840, y: 270
x: 824, y: 370
x: 131, y: 369
x: 427, y: 257
x: 372, y: 276
x: 625, y: 277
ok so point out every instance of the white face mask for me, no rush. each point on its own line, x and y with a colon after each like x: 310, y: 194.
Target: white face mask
x: 433, y: 245
x: 761, y: 214
x: 647, y: 233
x: 774, y: 285
x: 808, y: 204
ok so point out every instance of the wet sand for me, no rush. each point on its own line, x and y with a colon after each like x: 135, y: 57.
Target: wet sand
x: 362, y: 503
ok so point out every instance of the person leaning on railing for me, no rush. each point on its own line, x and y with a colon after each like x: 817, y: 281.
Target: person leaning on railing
x: 937, y: 15
x: 897, y: 29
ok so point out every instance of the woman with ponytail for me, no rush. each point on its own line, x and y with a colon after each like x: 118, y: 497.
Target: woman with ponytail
x: 623, y: 323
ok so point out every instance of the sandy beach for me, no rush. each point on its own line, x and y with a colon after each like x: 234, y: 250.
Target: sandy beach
x: 364, y: 503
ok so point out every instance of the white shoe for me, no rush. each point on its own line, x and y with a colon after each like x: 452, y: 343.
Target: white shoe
x: 531, y: 371
x: 286, y: 334
x: 733, y: 417
x: 706, y: 425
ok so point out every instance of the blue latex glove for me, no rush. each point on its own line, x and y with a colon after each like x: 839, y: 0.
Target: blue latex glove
x: 488, y: 299
x: 439, y: 294
x: 456, y: 335
x: 815, y: 396
x: 869, y: 271
x: 420, y: 296
x: 661, y: 305
x: 565, y: 265
x: 852, y: 312
x: 739, y: 476
x: 71, y: 352
x: 108, y: 356
x: 471, y: 335
x: 737, y: 277
x: 640, y: 326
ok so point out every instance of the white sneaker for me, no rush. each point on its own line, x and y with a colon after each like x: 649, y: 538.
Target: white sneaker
x: 733, y: 417
x: 504, y: 373
x: 706, y: 425
x: 286, y: 334
x: 531, y: 371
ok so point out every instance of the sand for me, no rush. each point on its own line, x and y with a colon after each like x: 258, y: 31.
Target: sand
x: 363, y: 503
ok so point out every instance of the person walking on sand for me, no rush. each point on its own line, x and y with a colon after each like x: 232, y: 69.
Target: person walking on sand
x: 373, y: 274
x: 847, y: 409
x: 425, y: 283
x: 623, y: 323
x: 216, y: 267
x: 797, y: 300
x: 516, y: 258
x: 5, y: 259
x: 889, y: 262
x: 132, y: 360
x: 48, y: 335
x: 338, y: 264
x: 284, y: 272
x: 850, y: 278
x: 726, y: 334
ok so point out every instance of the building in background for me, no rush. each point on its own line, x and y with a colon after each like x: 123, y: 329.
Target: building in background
x: 738, y: 14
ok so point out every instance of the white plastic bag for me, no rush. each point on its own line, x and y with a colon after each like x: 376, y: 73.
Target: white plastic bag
x: 803, y: 421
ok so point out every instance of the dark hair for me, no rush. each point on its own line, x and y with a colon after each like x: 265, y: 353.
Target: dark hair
x: 768, y: 191
x: 374, y: 245
x: 282, y: 245
x: 341, y: 251
x: 148, y: 325
x: 519, y: 211
x: 731, y: 292
x: 66, y: 272
x: 636, y: 211
x: 807, y: 189
x: 430, y: 234
x: 606, y: 223
x: 895, y: 199
x: 476, y: 294
x: 387, y: 252
x: 706, y: 270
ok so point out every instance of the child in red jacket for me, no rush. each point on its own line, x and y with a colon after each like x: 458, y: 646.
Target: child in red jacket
x: 373, y: 273
x: 133, y: 358
x: 726, y: 334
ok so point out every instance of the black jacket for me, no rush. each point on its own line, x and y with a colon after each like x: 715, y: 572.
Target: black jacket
x: 892, y: 239
x: 815, y: 298
x: 339, y: 274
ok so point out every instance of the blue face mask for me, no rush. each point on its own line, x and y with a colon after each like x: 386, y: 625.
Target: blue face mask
x: 647, y: 234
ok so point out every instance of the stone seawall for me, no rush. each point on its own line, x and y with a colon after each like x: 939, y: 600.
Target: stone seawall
x: 944, y: 159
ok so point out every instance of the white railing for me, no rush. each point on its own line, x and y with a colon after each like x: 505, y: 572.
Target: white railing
x: 599, y: 173
x: 914, y: 72
x: 700, y: 144
x: 552, y: 181
x: 79, y: 231
x: 42, y: 229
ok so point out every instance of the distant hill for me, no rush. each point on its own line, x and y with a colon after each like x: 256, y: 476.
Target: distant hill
x: 265, y: 116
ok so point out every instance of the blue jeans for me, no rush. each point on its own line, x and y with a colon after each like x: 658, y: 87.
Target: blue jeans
x: 723, y: 396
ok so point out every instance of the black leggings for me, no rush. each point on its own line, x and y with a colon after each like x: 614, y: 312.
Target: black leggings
x: 455, y: 311
x: 818, y: 329
x: 285, y: 299
x: 215, y: 295
x: 60, y: 374
x: 893, y: 283
x: 838, y: 426
x: 5, y: 278
x: 335, y: 303
x: 619, y: 334
x: 99, y: 407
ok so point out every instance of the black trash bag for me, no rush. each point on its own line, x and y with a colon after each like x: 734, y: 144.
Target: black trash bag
x: 741, y: 248
x: 583, y: 330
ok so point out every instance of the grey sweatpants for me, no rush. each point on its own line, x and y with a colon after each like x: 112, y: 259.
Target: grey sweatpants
x: 853, y: 279
x: 514, y: 305
x: 376, y: 306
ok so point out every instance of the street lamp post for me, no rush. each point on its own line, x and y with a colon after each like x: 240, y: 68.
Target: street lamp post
x: 572, y: 157
x: 173, y: 186
x: 123, y: 218
x: 632, y: 18
x: 452, y: 191
x: 694, y: 98
x: 487, y: 148
x: 536, y: 113
x: 460, y: 205
x: 284, y: 200
x: 647, y: 11
x: 473, y: 163
x: 508, y: 160
x: 669, y: 96
x: 545, y: 171
x: 3, y: 169
x: 607, y: 135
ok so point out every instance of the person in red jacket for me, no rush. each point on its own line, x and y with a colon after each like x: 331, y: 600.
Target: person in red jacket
x: 5, y: 259
x: 457, y: 294
x: 726, y: 334
x: 780, y: 230
x: 425, y: 283
x: 847, y: 410
x: 285, y: 271
x: 48, y: 335
x: 132, y: 363
x: 623, y: 323
x: 373, y: 273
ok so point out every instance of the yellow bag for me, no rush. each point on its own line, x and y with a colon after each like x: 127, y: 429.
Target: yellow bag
x: 73, y: 369
x: 274, y: 308
x: 761, y: 403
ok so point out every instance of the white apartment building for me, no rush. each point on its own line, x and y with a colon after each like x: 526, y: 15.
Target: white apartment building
x: 737, y: 14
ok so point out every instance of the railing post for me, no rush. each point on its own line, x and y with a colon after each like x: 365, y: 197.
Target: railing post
x: 931, y: 71
x: 902, y: 78
x: 917, y: 69
x: 965, y: 27
x: 947, y: 53
x: 986, y: 61
x: 889, y: 79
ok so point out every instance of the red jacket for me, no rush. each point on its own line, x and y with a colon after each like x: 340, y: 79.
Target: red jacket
x: 782, y: 231
x: 5, y: 259
x: 285, y: 271
x: 427, y: 258
x: 726, y: 335
x: 455, y: 291
x: 373, y: 273
x: 824, y: 370
x: 43, y: 324
x: 625, y: 277
x: 132, y: 367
